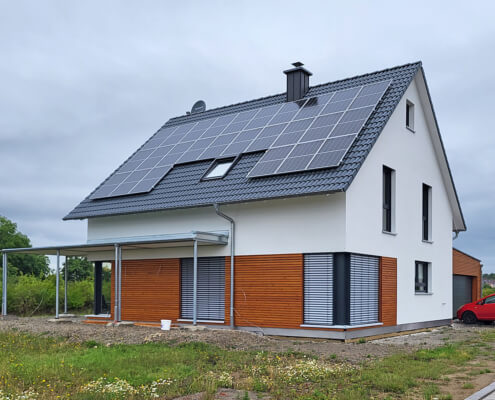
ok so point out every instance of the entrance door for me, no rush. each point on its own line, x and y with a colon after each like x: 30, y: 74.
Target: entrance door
x: 462, y: 291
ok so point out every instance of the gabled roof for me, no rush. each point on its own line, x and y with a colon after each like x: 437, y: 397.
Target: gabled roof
x: 182, y: 186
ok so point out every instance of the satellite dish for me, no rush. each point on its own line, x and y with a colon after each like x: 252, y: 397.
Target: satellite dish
x: 198, y: 107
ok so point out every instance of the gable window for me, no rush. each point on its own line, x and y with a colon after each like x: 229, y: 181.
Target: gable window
x: 219, y: 169
x: 388, y: 219
x: 421, y: 277
x: 410, y: 115
x: 426, y: 206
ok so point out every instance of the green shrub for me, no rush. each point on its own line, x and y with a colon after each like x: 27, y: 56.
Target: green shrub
x: 30, y: 295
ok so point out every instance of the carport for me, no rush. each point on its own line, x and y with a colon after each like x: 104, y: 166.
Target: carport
x: 116, y: 247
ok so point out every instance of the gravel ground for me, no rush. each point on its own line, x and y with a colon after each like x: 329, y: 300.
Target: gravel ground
x: 76, y: 331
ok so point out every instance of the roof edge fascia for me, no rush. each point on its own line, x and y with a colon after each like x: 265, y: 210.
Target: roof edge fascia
x: 458, y: 223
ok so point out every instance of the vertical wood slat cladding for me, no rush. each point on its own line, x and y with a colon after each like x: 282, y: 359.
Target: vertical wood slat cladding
x: 462, y: 264
x: 150, y: 289
x: 227, y: 290
x: 268, y: 290
x: 388, y: 291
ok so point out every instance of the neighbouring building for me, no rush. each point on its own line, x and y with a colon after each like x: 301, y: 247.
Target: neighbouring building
x: 336, y: 201
x: 467, y: 281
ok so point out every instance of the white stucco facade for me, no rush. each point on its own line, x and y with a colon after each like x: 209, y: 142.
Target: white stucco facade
x: 350, y: 221
x: 296, y: 225
x: 413, y: 158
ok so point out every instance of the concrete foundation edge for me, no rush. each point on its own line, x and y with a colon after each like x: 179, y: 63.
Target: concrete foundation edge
x: 346, y: 334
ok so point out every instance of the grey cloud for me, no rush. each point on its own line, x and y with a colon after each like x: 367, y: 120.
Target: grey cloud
x: 83, y: 84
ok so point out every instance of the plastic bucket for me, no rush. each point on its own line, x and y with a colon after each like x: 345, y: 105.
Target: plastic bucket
x: 166, y: 324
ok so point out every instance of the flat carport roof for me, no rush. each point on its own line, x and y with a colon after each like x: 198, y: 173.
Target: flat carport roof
x: 193, y: 239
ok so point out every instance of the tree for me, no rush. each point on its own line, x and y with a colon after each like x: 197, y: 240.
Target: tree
x: 80, y: 269
x: 26, y: 264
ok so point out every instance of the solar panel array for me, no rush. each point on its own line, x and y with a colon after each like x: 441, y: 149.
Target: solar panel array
x: 302, y: 135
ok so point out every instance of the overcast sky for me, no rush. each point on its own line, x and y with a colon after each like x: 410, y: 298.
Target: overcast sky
x: 83, y: 84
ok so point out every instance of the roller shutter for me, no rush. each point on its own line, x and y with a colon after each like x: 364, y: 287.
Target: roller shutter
x: 462, y: 291
x: 364, y: 289
x: 318, y: 289
x: 211, y: 288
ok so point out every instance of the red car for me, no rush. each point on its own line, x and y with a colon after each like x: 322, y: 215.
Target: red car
x: 480, y: 310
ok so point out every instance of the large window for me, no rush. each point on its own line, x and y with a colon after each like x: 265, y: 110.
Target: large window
x: 388, y: 200
x: 211, y: 288
x: 340, y: 289
x: 318, y: 289
x: 426, y: 221
x: 421, y: 277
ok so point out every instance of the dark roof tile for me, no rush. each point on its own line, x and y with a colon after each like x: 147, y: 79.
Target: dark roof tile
x: 182, y: 187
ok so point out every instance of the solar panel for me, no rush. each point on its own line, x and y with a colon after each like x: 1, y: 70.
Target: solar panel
x: 297, y: 136
x: 324, y: 142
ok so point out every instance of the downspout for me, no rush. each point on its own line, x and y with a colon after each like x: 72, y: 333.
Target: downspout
x: 232, y: 255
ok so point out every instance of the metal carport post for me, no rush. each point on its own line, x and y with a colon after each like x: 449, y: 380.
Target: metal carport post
x: 66, y: 273
x: 4, y: 283
x: 57, y: 285
x: 195, y: 282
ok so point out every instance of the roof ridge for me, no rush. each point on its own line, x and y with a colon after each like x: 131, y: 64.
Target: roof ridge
x: 173, y: 119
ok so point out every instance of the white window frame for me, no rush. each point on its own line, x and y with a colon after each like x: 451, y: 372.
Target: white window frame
x: 218, y: 164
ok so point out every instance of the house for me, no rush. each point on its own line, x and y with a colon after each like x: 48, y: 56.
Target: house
x: 325, y: 211
x: 467, y: 285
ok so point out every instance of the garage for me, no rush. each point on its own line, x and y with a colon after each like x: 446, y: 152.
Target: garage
x: 462, y: 291
x: 466, y: 280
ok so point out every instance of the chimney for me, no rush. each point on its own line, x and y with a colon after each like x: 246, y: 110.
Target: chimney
x: 297, y: 81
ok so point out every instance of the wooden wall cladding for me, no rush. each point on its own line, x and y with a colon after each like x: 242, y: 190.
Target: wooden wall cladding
x: 150, y: 289
x: 388, y: 291
x: 268, y: 290
x: 463, y: 264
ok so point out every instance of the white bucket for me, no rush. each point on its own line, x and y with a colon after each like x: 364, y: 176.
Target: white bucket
x: 166, y: 324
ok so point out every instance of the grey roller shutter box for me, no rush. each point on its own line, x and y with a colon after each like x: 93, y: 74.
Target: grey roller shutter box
x: 318, y: 289
x: 211, y: 288
x: 364, y: 289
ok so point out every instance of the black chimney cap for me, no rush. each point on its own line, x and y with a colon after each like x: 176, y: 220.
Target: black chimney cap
x: 298, y: 66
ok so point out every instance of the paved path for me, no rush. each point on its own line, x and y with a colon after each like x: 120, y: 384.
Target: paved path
x: 487, y: 393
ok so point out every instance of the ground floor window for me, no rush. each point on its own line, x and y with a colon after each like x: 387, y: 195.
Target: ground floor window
x: 210, y: 290
x: 318, y: 289
x: 341, y: 289
x: 421, y: 277
x: 364, y: 289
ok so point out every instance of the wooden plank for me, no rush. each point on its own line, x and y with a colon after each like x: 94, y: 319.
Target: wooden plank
x: 268, y: 290
x: 388, y: 291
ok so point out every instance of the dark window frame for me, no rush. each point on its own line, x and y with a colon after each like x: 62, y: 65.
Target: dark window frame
x: 410, y: 115
x: 426, y: 212
x: 387, y: 204
x: 423, y: 286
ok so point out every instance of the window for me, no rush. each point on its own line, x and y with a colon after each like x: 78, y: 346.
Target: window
x: 410, y: 115
x: 489, y: 300
x: 211, y: 288
x: 426, y: 222
x: 421, y: 277
x: 388, y: 220
x: 318, y: 289
x: 219, y: 169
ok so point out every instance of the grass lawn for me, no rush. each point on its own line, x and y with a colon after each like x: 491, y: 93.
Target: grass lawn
x: 42, y: 367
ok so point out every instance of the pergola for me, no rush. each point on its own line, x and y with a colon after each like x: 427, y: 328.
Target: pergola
x: 115, y: 247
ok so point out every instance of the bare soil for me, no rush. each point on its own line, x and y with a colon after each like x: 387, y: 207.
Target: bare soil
x: 75, y: 331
